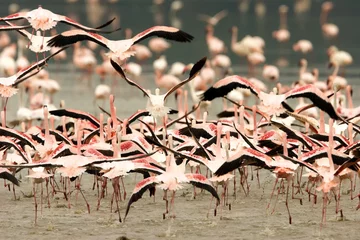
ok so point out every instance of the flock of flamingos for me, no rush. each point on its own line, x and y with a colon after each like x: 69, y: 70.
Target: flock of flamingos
x: 310, y: 147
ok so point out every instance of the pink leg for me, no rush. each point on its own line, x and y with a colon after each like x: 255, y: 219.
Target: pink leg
x: 34, y: 191
x: 272, y: 192
x: 123, y: 185
x: 172, y: 205
x: 325, y: 198
x: 287, y: 201
x: 166, y: 204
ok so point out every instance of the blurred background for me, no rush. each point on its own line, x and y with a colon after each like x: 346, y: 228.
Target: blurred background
x: 252, y: 17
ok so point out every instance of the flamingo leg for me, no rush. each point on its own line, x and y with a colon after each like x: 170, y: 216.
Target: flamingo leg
x: 34, y: 192
x: 166, y: 204
x: 287, y: 201
x: 47, y: 191
x: 234, y: 193
x: 123, y: 185
x: 325, y: 199
x: 78, y: 187
x: 272, y: 193
x: 212, y: 198
x: 41, y: 197
x: 172, y: 205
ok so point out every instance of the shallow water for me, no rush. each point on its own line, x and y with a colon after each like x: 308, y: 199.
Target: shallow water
x: 248, y: 218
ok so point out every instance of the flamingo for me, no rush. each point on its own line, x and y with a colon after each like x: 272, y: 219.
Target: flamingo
x: 271, y: 72
x: 304, y: 46
x: 43, y: 19
x: 121, y: 49
x: 157, y: 108
x: 329, y: 30
x: 213, y: 20
x: 8, y: 84
x: 170, y: 180
x: 215, y: 45
x: 270, y: 103
x: 338, y: 58
x: 304, y: 76
x: 283, y: 34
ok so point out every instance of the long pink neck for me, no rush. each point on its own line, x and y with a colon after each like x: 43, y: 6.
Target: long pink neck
x: 331, y: 144
x: 284, y: 137
x: 218, y: 139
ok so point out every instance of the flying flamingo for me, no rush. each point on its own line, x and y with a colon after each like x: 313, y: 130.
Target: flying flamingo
x: 270, y: 103
x: 43, y: 19
x: 120, y: 49
x: 157, y: 108
x: 171, y: 179
x: 213, y: 20
x: 8, y: 84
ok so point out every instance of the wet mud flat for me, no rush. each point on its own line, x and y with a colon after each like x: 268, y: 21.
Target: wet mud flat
x: 248, y: 218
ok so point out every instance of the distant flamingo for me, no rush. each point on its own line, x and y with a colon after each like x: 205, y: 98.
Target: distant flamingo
x: 303, y: 46
x: 283, y: 34
x: 271, y: 73
x: 215, y: 45
x: 213, y: 20
x: 329, y: 30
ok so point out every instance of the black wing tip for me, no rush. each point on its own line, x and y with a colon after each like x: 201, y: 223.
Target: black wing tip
x: 56, y: 41
x: 184, y: 36
x: 197, y: 66
x: 9, y: 177
x: 173, y: 111
x: 106, y: 24
x: 118, y: 68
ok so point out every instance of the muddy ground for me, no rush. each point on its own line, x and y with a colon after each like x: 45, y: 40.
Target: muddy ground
x: 248, y: 218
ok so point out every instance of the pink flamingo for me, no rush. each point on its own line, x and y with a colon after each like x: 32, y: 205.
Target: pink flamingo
x: 157, y: 108
x: 43, y: 19
x: 120, y: 49
x: 283, y: 34
x: 270, y: 101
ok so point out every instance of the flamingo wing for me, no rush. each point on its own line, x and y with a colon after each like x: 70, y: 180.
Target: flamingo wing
x: 195, y: 70
x: 73, y: 23
x: 316, y: 96
x: 247, y: 157
x: 5, y: 174
x: 169, y: 33
x: 13, y: 27
x: 200, y: 181
x: 22, y: 75
x: 220, y: 15
x: 73, y: 36
x: 14, y: 16
x: 226, y: 85
x: 129, y: 81
x: 22, y: 137
x: 139, y: 190
x: 305, y: 164
x: 348, y: 164
x: 20, y: 30
x: 8, y: 143
x: 77, y: 114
